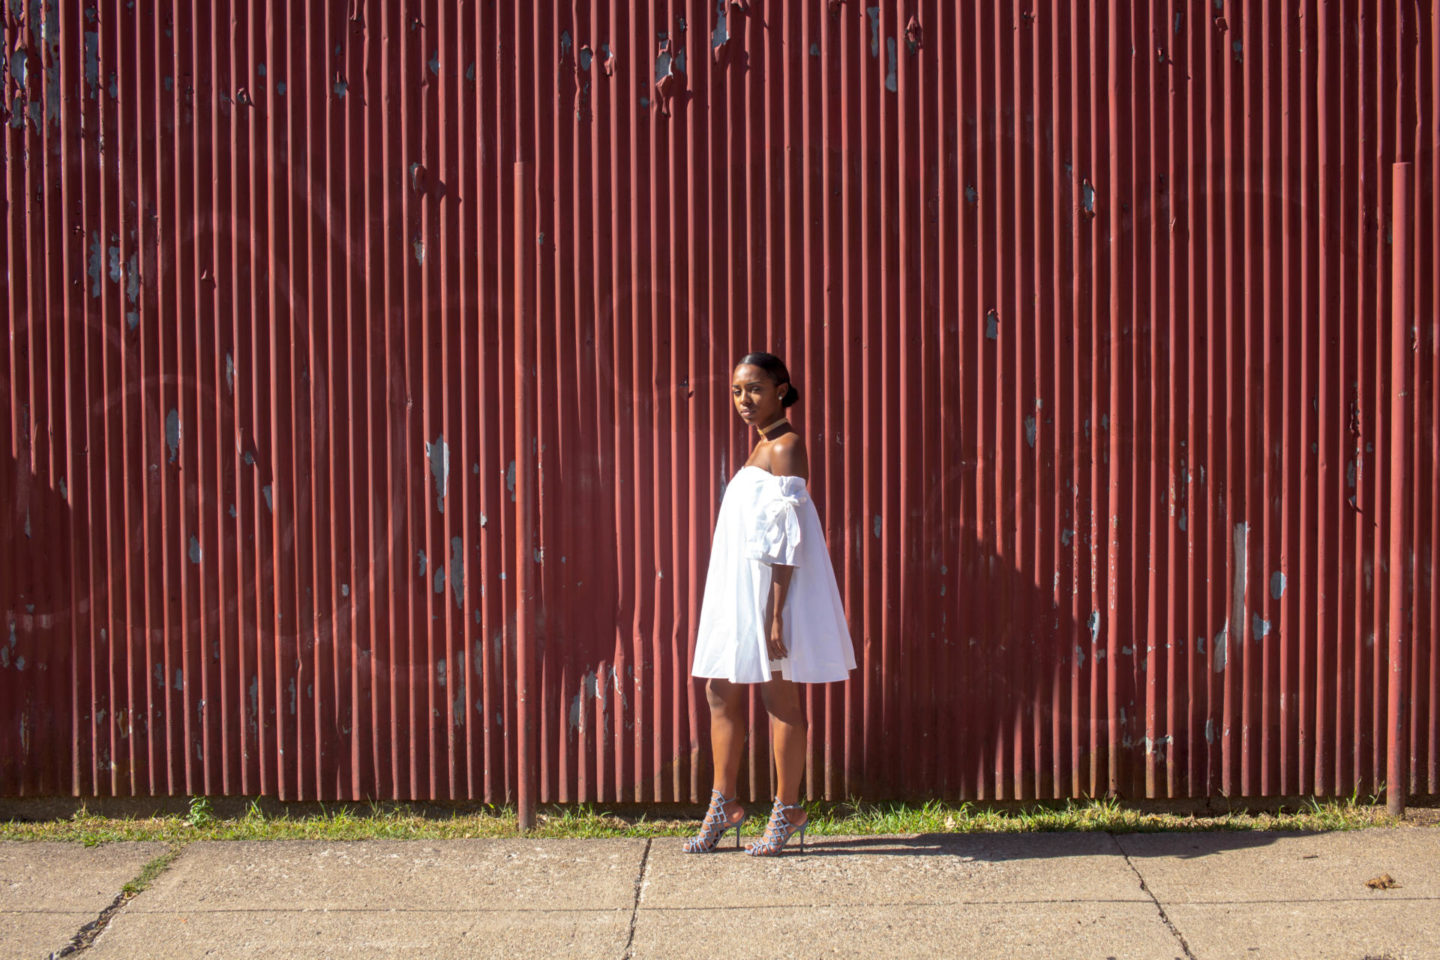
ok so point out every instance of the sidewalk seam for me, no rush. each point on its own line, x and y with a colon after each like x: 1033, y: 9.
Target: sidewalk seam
x: 635, y: 908
x: 1164, y: 917
x: 86, y: 936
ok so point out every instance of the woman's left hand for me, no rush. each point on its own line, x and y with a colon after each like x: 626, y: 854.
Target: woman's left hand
x: 776, y: 643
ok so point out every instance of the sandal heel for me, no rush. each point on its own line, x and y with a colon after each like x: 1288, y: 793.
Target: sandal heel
x: 778, y: 832
x: 714, y: 827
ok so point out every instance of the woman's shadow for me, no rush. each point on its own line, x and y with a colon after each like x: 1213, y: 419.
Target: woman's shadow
x: 974, y: 681
x: 991, y: 666
x: 996, y: 847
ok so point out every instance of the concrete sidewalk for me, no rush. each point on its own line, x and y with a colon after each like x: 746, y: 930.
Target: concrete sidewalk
x: 1207, y: 896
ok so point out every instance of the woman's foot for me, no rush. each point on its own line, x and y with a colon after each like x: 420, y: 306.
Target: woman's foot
x: 786, y: 820
x: 723, y: 816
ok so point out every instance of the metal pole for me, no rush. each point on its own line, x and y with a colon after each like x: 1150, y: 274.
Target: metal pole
x: 1401, y: 317
x: 524, y: 492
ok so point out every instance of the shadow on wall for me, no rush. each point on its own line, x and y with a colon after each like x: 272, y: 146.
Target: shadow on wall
x: 37, y: 526
x: 1015, y: 677
x: 191, y: 631
x: 977, y: 693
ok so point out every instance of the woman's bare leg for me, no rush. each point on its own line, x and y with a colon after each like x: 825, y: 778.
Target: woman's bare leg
x: 727, y: 738
x: 787, y: 737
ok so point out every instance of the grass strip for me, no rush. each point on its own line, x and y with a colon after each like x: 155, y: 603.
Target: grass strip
x: 150, y: 871
x: 400, y: 821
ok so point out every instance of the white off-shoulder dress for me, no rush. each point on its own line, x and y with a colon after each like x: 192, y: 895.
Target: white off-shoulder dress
x: 765, y: 520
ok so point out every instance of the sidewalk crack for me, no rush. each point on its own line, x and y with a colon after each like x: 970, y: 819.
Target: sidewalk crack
x: 635, y: 909
x: 1165, y: 917
x: 86, y: 936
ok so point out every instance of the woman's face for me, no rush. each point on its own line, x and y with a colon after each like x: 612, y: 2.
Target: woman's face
x: 756, y: 396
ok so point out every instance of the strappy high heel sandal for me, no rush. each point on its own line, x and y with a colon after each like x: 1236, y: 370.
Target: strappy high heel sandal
x: 716, y: 825
x: 778, y: 832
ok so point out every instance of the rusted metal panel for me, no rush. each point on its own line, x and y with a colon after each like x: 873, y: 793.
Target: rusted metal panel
x: 332, y: 474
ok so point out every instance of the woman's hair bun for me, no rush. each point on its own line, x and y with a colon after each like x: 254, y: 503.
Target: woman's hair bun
x: 792, y: 396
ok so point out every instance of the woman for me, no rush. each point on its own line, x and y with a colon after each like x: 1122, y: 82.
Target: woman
x: 771, y: 613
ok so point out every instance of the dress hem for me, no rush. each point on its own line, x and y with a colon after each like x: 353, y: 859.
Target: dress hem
x: 721, y: 676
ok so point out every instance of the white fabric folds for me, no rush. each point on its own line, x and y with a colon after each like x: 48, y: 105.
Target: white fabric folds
x: 776, y: 535
x: 767, y: 520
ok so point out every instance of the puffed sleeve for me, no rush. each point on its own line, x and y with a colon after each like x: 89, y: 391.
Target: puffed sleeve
x: 775, y: 537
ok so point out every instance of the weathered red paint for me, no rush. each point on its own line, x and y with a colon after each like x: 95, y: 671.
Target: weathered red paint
x: 1088, y: 303
x: 1402, y: 322
x: 525, y: 540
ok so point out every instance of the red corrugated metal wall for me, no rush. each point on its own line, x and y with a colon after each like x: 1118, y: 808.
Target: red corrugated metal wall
x: 1090, y: 305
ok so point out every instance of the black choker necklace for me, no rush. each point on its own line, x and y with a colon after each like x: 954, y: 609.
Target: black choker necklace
x: 769, y: 426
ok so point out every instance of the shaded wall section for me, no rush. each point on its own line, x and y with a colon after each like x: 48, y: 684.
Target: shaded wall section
x: 1090, y: 306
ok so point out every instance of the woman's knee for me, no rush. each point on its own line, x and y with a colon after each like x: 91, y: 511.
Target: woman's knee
x: 722, y: 694
x: 782, y: 701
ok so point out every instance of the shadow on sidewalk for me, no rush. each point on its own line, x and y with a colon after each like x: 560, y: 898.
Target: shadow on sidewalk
x: 996, y: 847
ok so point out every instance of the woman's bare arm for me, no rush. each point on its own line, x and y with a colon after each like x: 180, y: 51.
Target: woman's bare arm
x: 787, y: 459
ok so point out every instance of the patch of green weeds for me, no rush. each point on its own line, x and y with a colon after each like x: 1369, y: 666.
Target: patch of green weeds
x: 201, y: 814
x: 151, y: 870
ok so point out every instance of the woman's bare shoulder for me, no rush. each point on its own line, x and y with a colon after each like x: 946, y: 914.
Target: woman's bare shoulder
x: 788, y: 457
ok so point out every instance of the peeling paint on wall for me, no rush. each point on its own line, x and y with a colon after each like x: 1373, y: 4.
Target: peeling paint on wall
x: 19, y: 66
x: 1277, y: 585
x: 914, y: 35
x: 172, y: 433
x: 1240, y: 545
x: 438, y: 454
x: 92, y: 62
x: 7, y: 649
x: 457, y: 570
x: 93, y: 264
x: 721, y: 34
